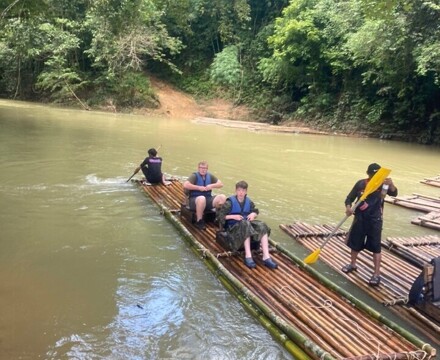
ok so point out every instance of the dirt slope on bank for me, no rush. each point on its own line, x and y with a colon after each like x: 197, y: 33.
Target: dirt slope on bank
x: 177, y: 104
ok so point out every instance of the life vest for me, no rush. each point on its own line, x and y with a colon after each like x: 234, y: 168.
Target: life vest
x: 243, y: 210
x: 201, y: 182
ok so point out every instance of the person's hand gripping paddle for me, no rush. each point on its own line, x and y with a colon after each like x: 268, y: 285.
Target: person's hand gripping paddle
x: 374, y: 183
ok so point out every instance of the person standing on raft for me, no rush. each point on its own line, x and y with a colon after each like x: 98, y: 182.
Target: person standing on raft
x: 366, y: 229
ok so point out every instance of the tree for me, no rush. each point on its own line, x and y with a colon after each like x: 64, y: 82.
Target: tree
x: 60, y: 75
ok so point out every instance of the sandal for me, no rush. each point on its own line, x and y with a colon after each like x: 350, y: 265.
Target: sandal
x: 374, y: 281
x: 348, y: 268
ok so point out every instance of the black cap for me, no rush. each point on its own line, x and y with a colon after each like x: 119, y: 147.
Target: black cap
x: 152, y: 152
x: 372, y: 168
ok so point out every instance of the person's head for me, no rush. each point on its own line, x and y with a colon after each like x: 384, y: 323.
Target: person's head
x: 203, y: 167
x: 152, y: 152
x: 241, y: 185
x: 241, y: 189
x: 372, y: 169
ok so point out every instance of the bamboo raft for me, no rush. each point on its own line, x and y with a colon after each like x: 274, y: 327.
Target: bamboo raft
x: 431, y: 220
x: 427, y: 204
x: 416, y: 201
x: 308, y: 314
x: 433, y: 181
x: 418, y: 250
x: 397, y: 274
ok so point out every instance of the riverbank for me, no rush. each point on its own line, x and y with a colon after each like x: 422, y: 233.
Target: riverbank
x: 176, y: 104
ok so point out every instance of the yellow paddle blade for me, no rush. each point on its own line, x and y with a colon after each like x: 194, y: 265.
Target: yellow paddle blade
x: 313, y: 257
x: 376, y: 181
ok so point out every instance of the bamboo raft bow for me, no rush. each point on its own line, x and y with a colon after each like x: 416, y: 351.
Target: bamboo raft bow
x: 397, y: 274
x: 303, y: 310
x: 433, y: 181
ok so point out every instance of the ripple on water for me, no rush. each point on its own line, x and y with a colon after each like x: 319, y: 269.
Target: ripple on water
x: 174, y: 315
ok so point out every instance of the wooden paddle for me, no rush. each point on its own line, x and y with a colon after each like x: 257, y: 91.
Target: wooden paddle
x: 136, y: 171
x: 132, y: 176
x: 376, y: 181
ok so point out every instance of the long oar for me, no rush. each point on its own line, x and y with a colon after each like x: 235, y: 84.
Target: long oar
x: 139, y: 168
x: 132, y: 176
x: 372, y: 186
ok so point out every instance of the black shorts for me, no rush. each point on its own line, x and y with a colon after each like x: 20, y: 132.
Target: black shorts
x: 365, y: 233
x: 209, y: 201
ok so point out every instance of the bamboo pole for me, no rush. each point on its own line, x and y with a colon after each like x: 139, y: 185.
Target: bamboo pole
x: 291, y: 347
x: 375, y: 314
x: 338, y: 317
x: 421, y: 322
x: 304, y: 282
x: 303, y: 342
x: 328, y: 330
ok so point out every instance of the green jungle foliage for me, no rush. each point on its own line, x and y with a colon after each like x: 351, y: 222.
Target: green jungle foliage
x: 369, y: 66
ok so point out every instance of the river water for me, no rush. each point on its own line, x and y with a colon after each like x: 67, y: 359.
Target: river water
x: 89, y: 269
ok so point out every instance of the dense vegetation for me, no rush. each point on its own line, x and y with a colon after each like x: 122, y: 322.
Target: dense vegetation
x: 369, y: 66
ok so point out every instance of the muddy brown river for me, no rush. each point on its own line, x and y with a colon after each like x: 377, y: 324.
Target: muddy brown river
x: 89, y: 269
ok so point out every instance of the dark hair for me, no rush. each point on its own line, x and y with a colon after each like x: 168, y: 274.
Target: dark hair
x: 373, y: 168
x: 241, y: 184
x: 152, y: 152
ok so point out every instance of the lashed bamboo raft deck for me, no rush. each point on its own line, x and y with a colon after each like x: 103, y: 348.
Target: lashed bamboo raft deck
x: 433, y: 181
x: 311, y: 320
x: 397, y: 274
x: 423, y: 203
x: 417, y: 249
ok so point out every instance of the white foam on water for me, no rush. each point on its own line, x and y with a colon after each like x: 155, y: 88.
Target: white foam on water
x: 94, y: 180
x: 107, y: 185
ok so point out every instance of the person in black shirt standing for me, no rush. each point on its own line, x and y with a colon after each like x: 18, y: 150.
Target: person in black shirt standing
x: 366, y: 229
